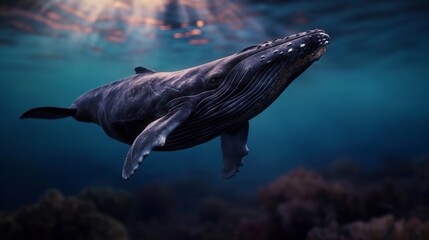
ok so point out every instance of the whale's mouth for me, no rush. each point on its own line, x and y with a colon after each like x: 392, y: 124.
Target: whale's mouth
x: 323, y: 40
x: 318, y: 54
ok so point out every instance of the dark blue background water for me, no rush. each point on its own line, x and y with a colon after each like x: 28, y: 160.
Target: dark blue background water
x: 365, y: 99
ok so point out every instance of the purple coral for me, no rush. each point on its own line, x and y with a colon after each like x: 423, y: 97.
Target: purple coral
x: 385, y: 227
x: 57, y: 217
x: 293, y: 204
x: 115, y: 203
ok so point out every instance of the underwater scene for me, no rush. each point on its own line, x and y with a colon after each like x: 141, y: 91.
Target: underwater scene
x: 342, y: 153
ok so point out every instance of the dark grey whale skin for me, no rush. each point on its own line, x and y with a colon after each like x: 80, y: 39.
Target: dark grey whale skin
x: 165, y: 111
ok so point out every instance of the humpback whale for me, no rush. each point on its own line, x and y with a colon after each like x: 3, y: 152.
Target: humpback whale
x: 164, y: 111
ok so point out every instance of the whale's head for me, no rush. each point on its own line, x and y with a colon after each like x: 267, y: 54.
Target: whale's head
x: 247, y: 82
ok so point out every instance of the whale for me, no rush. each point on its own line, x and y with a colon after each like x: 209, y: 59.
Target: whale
x: 166, y: 111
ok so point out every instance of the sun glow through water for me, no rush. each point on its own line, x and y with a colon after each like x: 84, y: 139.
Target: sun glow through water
x: 96, y: 24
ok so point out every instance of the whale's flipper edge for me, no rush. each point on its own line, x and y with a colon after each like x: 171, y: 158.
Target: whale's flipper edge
x: 49, y: 113
x: 234, y: 148
x: 154, y: 135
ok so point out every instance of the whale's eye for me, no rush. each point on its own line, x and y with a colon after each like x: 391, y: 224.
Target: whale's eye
x: 214, y: 82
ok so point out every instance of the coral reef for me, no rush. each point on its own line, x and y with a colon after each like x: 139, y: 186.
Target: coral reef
x: 159, y: 217
x: 343, y: 202
x: 57, y: 217
x: 154, y: 202
x: 301, y: 200
x: 377, y: 229
x: 388, y: 203
x: 115, y: 203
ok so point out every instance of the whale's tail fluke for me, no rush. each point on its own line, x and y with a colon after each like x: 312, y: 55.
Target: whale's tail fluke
x: 49, y: 113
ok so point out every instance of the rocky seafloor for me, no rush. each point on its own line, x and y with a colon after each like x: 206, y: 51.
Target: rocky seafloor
x: 343, y: 201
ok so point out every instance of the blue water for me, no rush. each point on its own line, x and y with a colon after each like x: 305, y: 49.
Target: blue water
x: 366, y: 98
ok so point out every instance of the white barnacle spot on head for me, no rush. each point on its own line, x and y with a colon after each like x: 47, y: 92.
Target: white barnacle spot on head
x: 162, y: 140
x: 302, y: 45
x: 290, y: 50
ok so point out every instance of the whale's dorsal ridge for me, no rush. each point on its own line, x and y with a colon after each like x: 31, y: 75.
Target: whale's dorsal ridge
x: 143, y: 70
x: 249, y: 47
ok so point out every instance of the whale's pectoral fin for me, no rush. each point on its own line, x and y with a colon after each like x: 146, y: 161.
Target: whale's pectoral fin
x: 234, y: 148
x: 154, y: 135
